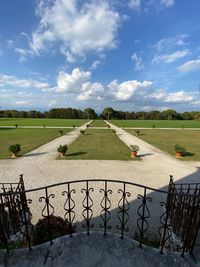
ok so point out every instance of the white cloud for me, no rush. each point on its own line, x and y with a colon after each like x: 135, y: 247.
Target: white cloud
x: 79, y: 27
x: 166, y: 43
x: 167, y: 3
x: 23, y: 53
x: 190, y: 65
x: 91, y: 91
x: 72, y: 83
x: 134, y: 4
x: 95, y: 64
x: 168, y: 58
x: 13, y: 81
x: 126, y: 90
x: 138, y: 62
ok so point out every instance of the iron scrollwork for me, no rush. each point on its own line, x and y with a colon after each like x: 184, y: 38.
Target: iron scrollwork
x: 69, y: 206
x: 143, y: 213
x: 105, y: 205
x: 87, y: 205
x: 123, y: 206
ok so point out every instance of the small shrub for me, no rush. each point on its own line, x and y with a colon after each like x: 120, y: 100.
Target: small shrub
x: 134, y: 148
x: 153, y: 126
x: 114, y: 131
x: 59, y: 227
x: 44, y: 126
x: 74, y: 126
x: 183, y: 127
x: 61, y: 132
x: 180, y: 149
x: 87, y: 125
x: 82, y: 131
x: 137, y: 132
x: 16, y: 126
x: 62, y: 149
x: 108, y: 125
x: 14, y: 149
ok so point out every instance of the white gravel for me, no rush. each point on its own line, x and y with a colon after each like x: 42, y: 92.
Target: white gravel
x: 40, y: 167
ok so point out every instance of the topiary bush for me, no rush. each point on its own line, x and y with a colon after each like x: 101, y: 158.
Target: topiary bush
x: 14, y: 149
x: 137, y: 132
x: 59, y: 227
x: 62, y: 149
x: 61, y: 132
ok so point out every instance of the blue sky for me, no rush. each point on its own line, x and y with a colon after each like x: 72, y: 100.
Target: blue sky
x: 128, y: 54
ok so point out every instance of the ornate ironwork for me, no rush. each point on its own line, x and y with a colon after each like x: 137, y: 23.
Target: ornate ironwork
x: 87, y: 205
x: 105, y: 205
x: 69, y: 206
x: 143, y: 213
x: 123, y: 206
x: 180, y: 216
x: 49, y: 211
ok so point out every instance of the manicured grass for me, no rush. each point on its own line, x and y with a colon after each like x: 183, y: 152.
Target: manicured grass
x: 157, y: 123
x: 98, y: 123
x: 167, y: 139
x: 41, y: 122
x: 29, y: 139
x: 100, y: 145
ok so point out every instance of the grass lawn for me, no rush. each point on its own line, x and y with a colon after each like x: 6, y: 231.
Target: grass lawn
x: 98, y: 123
x: 167, y: 139
x: 41, y: 122
x: 157, y: 123
x: 29, y: 139
x: 98, y: 144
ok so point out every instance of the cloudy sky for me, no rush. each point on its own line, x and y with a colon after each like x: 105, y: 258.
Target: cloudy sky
x: 128, y: 54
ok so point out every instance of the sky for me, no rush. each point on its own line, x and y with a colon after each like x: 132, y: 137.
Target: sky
x: 132, y: 55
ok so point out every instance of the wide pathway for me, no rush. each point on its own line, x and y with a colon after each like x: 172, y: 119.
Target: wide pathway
x: 40, y: 166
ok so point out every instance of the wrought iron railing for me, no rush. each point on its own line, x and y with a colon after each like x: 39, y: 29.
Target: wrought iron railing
x: 125, y: 208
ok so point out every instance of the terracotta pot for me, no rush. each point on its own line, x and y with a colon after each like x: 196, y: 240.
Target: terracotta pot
x: 133, y: 154
x: 62, y: 155
x: 179, y: 154
x: 14, y: 155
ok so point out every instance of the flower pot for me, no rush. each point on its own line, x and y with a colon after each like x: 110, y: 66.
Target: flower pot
x: 62, y: 155
x: 179, y: 154
x: 133, y: 154
x: 14, y: 155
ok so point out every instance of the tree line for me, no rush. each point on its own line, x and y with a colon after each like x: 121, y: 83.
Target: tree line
x: 108, y: 113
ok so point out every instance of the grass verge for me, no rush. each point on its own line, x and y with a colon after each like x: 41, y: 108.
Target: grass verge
x: 167, y: 139
x: 98, y: 145
x: 41, y: 122
x: 157, y: 123
x: 29, y: 139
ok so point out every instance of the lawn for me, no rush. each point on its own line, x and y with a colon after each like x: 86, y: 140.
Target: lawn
x: 41, y: 122
x: 157, y: 123
x: 100, y: 145
x: 29, y: 139
x: 98, y: 123
x: 167, y: 139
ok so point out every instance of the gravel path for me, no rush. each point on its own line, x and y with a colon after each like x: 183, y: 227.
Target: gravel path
x: 40, y: 168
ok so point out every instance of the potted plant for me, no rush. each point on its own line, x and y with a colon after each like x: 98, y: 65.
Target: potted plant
x: 134, y: 150
x: 61, y: 132
x: 114, y: 131
x: 62, y: 149
x: 14, y: 149
x: 137, y: 132
x: 82, y: 131
x: 180, y: 150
